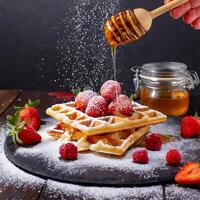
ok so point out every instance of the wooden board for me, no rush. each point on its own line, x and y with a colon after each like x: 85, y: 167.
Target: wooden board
x: 43, y: 160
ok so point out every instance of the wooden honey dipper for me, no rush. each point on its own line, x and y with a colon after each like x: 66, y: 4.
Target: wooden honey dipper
x: 131, y: 25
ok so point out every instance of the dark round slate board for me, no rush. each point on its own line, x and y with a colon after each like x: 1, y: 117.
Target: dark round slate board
x: 43, y: 160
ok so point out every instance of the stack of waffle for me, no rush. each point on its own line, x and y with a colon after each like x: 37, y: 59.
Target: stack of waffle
x: 108, y: 134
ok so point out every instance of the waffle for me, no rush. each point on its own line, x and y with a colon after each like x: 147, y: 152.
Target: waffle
x: 113, y: 143
x: 110, y: 143
x: 68, y: 114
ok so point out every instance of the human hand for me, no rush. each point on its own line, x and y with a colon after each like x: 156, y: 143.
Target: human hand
x: 189, y: 11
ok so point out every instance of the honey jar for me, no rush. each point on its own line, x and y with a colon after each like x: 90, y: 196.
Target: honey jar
x: 165, y: 86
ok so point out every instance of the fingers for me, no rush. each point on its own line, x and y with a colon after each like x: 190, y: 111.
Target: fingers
x: 196, y: 24
x: 192, y: 15
x: 180, y: 10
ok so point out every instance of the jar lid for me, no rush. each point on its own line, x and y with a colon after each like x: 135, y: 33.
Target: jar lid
x: 168, y: 73
x: 163, y: 70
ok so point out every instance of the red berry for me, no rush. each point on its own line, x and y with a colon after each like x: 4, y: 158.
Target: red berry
x: 97, y: 107
x: 32, y: 115
x: 190, y: 127
x: 82, y: 99
x: 140, y: 156
x: 173, y: 157
x: 153, y: 141
x: 29, y: 135
x: 121, y: 105
x: 68, y: 151
x: 110, y: 89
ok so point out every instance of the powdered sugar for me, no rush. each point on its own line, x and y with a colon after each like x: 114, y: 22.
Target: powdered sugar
x: 14, y: 178
x: 66, y: 191
x: 46, y: 153
x: 175, y: 192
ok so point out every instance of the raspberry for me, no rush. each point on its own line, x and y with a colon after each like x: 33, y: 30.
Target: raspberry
x: 173, y: 157
x: 140, y: 156
x: 82, y: 99
x: 121, y: 105
x: 97, y: 107
x: 153, y: 141
x: 110, y: 89
x: 68, y: 151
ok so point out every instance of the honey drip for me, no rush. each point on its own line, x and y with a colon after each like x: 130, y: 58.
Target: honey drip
x: 113, y: 52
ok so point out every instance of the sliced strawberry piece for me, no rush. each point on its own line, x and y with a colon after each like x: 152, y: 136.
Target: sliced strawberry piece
x: 189, y: 174
x: 82, y: 99
x: 121, y: 105
x: 21, y: 132
x: 190, y: 127
x: 97, y: 107
x: 110, y: 90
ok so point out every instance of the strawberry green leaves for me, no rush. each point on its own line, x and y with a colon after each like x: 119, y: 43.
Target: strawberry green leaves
x: 31, y: 103
x: 15, y: 125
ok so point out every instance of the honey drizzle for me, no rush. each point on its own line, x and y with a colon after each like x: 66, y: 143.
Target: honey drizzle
x: 113, y: 52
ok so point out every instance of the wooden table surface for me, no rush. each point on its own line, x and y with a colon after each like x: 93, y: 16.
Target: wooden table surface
x: 16, y: 184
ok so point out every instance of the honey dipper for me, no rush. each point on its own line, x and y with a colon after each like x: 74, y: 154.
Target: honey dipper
x: 131, y: 25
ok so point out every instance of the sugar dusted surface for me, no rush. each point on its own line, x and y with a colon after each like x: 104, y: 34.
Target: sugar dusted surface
x: 48, y: 151
x: 176, y: 192
x: 64, y: 191
x: 10, y: 175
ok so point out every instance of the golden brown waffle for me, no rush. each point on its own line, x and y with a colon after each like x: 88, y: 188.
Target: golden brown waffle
x: 113, y: 143
x: 68, y: 114
x: 110, y: 143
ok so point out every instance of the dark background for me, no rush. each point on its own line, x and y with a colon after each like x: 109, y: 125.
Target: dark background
x: 56, y: 45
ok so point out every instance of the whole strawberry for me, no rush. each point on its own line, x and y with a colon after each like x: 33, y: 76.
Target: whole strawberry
x: 121, y: 105
x: 82, y: 99
x: 97, y: 107
x: 21, y: 132
x: 30, y: 113
x: 110, y: 90
x: 190, y: 127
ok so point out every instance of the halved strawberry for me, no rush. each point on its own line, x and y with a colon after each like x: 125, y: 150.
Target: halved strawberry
x: 190, y: 126
x: 189, y: 174
x: 30, y: 113
x: 20, y: 131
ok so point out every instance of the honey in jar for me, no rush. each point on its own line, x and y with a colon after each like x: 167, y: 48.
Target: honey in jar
x: 165, y: 86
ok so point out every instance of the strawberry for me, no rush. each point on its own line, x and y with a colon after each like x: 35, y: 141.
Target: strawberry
x: 189, y: 174
x: 190, y: 127
x: 97, y: 107
x: 21, y: 132
x: 30, y: 113
x: 82, y: 99
x: 110, y: 90
x: 121, y: 105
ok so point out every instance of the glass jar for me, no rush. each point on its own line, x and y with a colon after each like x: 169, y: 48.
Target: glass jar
x: 165, y: 86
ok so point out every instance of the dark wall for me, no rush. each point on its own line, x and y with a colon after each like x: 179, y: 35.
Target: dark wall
x: 60, y: 44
